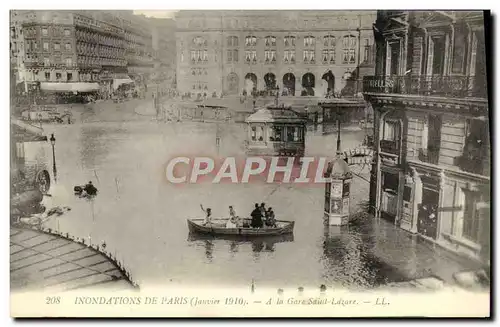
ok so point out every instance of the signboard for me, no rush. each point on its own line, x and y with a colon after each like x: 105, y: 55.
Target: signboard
x: 337, y: 189
x: 336, y: 206
x: 346, y: 188
x: 345, y: 206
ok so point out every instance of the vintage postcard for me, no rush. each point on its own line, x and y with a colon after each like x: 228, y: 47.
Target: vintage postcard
x: 250, y: 163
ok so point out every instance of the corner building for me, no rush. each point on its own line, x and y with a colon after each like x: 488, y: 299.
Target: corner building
x: 431, y: 173
x: 302, y: 52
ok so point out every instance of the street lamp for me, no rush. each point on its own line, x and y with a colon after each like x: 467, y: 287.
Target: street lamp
x: 54, y: 168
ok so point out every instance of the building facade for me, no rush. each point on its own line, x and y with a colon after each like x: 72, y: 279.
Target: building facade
x: 100, y: 48
x: 163, y: 37
x: 301, y: 52
x: 431, y: 173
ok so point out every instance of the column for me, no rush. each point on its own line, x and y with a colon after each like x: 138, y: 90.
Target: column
x: 417, y: 199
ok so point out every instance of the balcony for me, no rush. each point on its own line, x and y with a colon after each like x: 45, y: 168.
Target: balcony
x: 474, y: 160
x: 446, y: 86
x: 431, y: 155
x: 389, y: 146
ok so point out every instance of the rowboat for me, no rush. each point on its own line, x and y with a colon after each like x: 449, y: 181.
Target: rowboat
x: 218, y: 227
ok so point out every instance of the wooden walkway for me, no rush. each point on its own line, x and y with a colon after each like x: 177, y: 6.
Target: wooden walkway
x: 43, y: 261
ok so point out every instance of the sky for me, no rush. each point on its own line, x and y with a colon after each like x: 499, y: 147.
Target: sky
x: 156, y: 13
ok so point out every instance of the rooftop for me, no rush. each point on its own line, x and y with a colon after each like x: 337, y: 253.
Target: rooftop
x: 275, y: 114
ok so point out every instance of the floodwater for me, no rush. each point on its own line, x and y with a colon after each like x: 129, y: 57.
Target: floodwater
x: 142, y: 218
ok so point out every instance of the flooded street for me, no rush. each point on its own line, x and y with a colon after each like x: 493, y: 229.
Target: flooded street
x: 142, y: 218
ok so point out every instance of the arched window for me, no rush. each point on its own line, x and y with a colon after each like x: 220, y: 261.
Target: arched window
x: 329, y: 43
x: 270, y: 41
x: 250, y: 41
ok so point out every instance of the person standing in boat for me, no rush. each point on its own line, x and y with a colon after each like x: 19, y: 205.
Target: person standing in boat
x: 232, y: 222
x: 256, y: 217
x: 263, y: 211
x: 208, y: 215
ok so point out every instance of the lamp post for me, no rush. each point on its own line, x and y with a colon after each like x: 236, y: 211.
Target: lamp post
x: 54, y: 168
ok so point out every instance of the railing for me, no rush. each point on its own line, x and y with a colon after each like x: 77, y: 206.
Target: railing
x: 452, y: 86
x: 389, y: 146
x: 430, y: 155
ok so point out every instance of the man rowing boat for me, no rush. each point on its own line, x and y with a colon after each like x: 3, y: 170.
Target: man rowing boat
x: 208, y: 215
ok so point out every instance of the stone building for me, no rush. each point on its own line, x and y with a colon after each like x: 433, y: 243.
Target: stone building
x: 89, y: 49
x: 301, y: 52
x: 431, y: 173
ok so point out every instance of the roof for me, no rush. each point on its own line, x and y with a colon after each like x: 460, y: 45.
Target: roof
x: 338, y: 168
x: 275, y: 114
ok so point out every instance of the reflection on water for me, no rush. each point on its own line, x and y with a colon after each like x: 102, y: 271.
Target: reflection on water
x: 349, y: 259
x: 233, y: 243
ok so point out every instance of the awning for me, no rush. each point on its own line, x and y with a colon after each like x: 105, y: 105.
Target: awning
x: 69, y: 87
x: 119, y: 81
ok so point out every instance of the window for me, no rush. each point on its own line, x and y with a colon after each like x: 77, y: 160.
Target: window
x: 325, y: 55
x: 276, y: 134
x: 232, y: 55
x: 254, y: 133
x: 193, y: 55
x: 45, y: 31
x: 289, y: 41
x: 267, y: 56
x: 46, y: 46
x: 349, y: 49
x: 47, y: 76
x: 292, y: 56
x: 270, y: 41
x: 232, y: 41
x: 67, y: 32
x: 471, y: 217
x: 273, y: 55
x: 69, y: 76
x: 69, y: 62
x: 329, y: 41
x: 368, y: 52
x: 254, y: 55
x: 193, y: 72
x: 292, y: 134
x: 58, y: 76
x: 331, y: 55
x: 205, y: 55
x: 459, y: 52
x: 437, y: 49
x: 46, y: 61
x: 67, y: 46
x: 248, y: 56
x: 199, y: 41
x: 250, y: 41
x: 391, y: 130
x: 57, y: 46
x: 309, y: 56
x: 286, y: 56
x: 309, y: 41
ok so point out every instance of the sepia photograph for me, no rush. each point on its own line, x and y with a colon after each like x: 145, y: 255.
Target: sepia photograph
x: 257, y: 163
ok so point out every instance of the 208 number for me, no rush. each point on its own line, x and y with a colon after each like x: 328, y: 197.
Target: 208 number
x: 52, y: 300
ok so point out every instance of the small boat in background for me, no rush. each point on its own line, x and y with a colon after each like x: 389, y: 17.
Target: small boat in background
x: 218, y: 227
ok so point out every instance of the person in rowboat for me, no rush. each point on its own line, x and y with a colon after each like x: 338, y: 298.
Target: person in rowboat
x: 208, y: 215
x: 256, y: 217
x: 233, y: 220
x: 270, y: 220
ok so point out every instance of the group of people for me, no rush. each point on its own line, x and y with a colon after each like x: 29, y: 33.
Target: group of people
x: 260, y: 217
